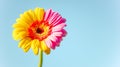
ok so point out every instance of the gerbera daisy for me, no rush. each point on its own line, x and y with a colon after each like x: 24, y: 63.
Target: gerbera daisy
x: 39, y: 30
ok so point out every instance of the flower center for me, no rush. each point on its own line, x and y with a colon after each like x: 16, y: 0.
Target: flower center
x: 39, y: 31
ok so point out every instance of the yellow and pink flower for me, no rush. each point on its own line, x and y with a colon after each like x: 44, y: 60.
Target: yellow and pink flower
x: 40, y: 30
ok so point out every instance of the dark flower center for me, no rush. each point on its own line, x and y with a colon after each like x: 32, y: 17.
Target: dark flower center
x: 39, y: 30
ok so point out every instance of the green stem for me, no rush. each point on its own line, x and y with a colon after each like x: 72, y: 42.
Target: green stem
x: 41, y: 59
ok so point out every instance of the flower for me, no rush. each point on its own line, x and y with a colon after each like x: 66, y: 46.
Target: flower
x: 39, y: 30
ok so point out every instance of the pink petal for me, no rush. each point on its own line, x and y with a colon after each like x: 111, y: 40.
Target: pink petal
x: 59, y: 21
x: 48, y: 14
x: 53, y: 38
x: 53, y: 17
x: 64, y: 32
x: 58, y: 27
x: 57, y: 34
x: 50, y: 44
x: 58, y: 41
x: 53, y: 45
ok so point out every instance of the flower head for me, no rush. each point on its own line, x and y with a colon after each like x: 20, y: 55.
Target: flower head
x: 39, y: 30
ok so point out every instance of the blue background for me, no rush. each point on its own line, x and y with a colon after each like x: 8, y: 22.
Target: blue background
x: 93, y: 38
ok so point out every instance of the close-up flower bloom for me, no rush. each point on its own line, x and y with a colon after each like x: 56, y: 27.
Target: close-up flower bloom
x: 39, y: 30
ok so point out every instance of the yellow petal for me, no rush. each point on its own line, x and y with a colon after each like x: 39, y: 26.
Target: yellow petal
x: 21, y: 23
x: 17, y: 25
x: 27, y: 42
x: 21, y: 43
x: 27, y: 47
x: 33, y: 16
x: 14, y: 34
x: 34, y: 46
x: 17, y: 30
x: 45, y: 48
x: 24, y: 42
x: 39, y: 13
x: 20, y: 35
x: 27, y: 17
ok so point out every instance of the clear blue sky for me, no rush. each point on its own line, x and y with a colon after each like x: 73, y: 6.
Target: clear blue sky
x: 93, y: 38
